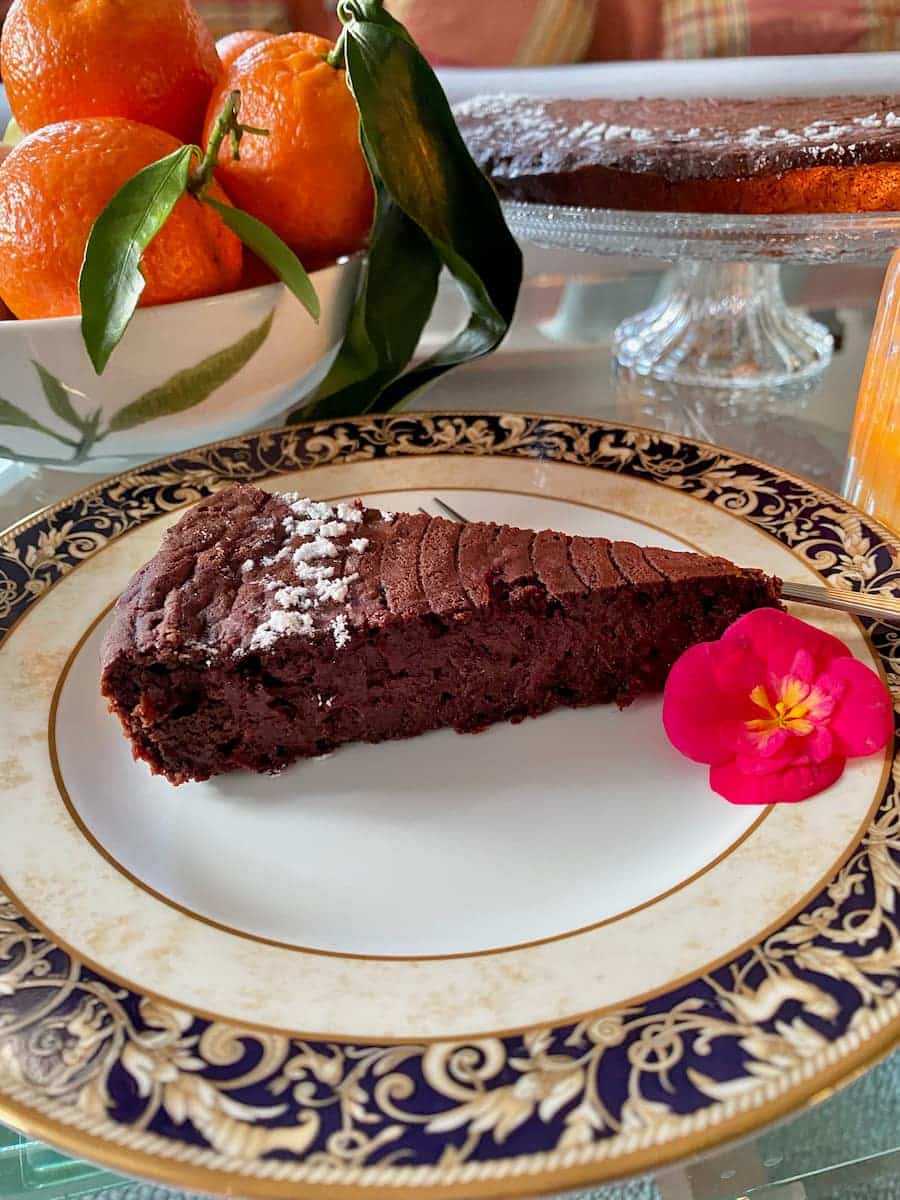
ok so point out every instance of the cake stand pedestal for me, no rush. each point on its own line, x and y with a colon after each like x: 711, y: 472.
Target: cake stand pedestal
x: 723, y: 325
x: 719, y: 319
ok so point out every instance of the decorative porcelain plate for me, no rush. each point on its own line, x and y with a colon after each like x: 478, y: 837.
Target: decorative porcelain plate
x: 513, y: 963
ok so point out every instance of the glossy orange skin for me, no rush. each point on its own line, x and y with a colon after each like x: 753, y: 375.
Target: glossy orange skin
x: 233, y: 45
x: 55, y: 184
x: 308, y: 179
x: 149, y: 60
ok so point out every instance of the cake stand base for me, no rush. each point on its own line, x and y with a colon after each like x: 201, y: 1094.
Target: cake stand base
x: 723, y: 325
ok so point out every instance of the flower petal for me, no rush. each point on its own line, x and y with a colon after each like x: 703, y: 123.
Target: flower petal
x: 826, y: 707
x: 754, y: 763
x: 699, y: 718
x: 783, y: 787
x: 738, y: 671
x: 775, y: 638
x: 863, y: 721
x: 803, y: 668
x: 766, y: 743
x: 793, y: 751
x: 819, y: 746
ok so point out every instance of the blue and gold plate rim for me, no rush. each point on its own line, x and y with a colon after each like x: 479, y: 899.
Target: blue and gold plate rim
x: 126, y: 1079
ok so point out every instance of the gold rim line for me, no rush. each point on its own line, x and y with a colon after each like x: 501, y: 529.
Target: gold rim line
x: 887, y: 535
x: 832, y: 1077
x: 607, y: 1169
x: 512, y: 1031
x: 642, y: 997
x: 505, y: 491
x: 134, y: 879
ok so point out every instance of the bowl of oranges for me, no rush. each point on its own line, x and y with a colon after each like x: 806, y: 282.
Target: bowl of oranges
x: 217, y: 345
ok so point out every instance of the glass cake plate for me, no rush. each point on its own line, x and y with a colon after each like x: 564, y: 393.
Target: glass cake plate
x: 719, y: 318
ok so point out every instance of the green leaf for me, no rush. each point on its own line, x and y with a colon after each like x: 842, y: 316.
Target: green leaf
x: 57, y: 397
x: 13, y: 134
x: 397, y: 295
x: 111, y: 282
x: 193, y: 385
x: 7, y: 452
x: 11, y: 414
x: 417, y: 156
x: 267, y: 245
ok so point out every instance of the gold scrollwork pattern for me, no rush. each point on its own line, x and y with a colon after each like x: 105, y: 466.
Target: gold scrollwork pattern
x: 146, y: 1076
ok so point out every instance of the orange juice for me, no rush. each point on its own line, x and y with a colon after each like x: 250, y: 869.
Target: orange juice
x: 873, y: 472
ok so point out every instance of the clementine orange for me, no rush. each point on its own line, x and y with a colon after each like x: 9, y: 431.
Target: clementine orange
x: 233, y: 45
x: 307, y: 179
x: 54, y: 185
x: 153, y: 62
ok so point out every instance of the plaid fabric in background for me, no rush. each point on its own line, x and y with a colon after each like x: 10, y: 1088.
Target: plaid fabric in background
x: 529, y: 32
x: 720, y: 28
x: 511, y: 33
x: 534, y: 32
x: 223, y: 16
x: 462, y: 32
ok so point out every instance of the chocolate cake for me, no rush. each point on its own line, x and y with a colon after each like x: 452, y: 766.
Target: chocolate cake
x: 270, y: 628
x: 802, y: 154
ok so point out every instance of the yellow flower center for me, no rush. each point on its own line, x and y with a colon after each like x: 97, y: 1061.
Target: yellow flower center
x: 796, y: 708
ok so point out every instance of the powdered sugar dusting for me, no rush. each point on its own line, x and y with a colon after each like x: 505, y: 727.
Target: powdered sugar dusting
x: 529, y: 121
x: 278, y: 624
x: 334, y: 591
x: 340, y: 631
x: 303, y: 570
x: 293, y: 597
x: 271, y: 559
x: 518, y: 135
x: 319, y: 547
x: 321, y: 526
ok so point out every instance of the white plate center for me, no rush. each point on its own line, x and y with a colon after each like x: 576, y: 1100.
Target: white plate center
x: 444, y: 844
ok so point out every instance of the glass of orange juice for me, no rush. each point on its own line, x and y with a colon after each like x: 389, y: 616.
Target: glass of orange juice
x: 873, y: 469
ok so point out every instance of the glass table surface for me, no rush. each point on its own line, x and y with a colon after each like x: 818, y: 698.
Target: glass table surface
x: 558, y: 359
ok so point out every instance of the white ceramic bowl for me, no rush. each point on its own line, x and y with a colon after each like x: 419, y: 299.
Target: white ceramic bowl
x: 183, y: 374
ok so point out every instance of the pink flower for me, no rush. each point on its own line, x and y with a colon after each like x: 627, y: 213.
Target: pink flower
x: 775, y: 707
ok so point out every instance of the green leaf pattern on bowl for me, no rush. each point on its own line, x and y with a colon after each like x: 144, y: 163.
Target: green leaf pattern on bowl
x: 57, y: 397
x: 180, y: 392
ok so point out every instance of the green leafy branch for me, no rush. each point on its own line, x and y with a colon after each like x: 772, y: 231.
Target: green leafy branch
x: 181, y: 391
x: 111, y: 281
x: 434, y: 209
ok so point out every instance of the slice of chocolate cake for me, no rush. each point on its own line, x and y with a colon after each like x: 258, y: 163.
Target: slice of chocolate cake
x: 775, y: 154
x: 270, y: 628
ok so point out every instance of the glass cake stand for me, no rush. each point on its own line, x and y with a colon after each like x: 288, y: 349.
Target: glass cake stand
x: 719, y: 318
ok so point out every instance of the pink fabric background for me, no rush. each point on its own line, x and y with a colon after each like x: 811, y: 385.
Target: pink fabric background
x: 627, y: 29
x: 484, y: 33
x: 494, y: 32
x: 505, y: 32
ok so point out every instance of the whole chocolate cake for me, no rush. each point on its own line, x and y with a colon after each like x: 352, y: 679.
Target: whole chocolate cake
x: 270, y: 628
x: 778, y: 154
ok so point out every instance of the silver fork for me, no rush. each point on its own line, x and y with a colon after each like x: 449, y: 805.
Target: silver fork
x: 877, y: 608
